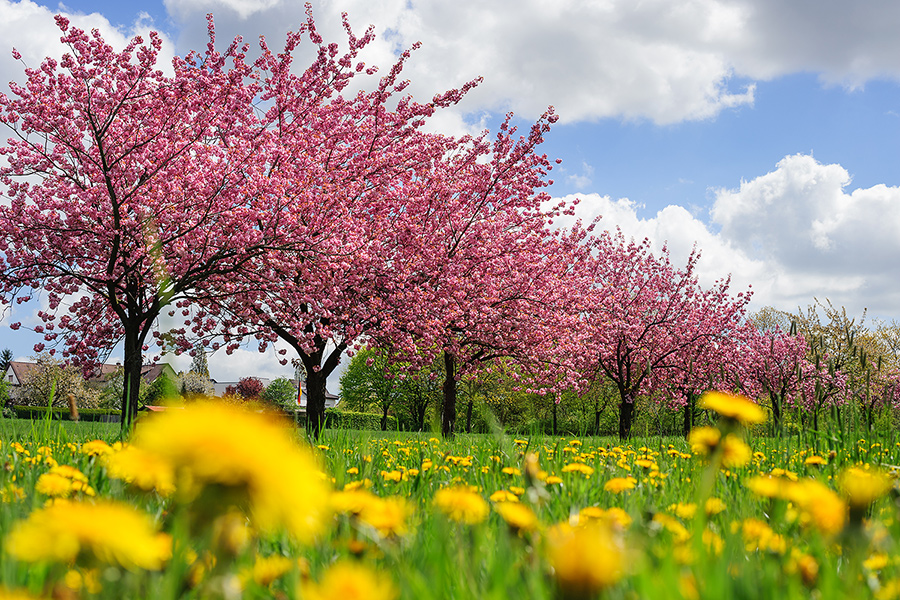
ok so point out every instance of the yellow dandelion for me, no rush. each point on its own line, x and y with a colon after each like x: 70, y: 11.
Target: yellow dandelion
x: 8, y: 594
x: 578, y: 467
x: 54, y: 485
x: 110, y: 532
x: 252, y: 456
x: 387, y: 516
x: 520, y: 518
x: 461, y: 504
x: 585, y: 560
x: 704, y: 440
x: 267, y: 569
x: 141, y: 469
x: 617, y: 485
x: 735, y: 453
x: 503, y: 496
x: 553, y: 480
x: 862, y: 487
x: 349, y: 581
x: 714, y: 506
x: 815, y: 461
x: 732, y: 406
x: 96, y: 448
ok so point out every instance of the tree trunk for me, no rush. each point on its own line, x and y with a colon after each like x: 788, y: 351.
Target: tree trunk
x: 689, y: 414
x: 315, y: 402
x: 131, y: 388
x: 555, y: 405
x: 384, y: 419
x: 469, y: 416
x: 776, y: 413
x: 626, y: 416
x: 448, y: 412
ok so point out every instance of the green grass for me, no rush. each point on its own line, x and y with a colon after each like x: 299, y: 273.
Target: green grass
x: 664, y: 552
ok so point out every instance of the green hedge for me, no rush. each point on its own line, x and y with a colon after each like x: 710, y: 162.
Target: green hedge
x: 84, y: 414
x: 345, y: 419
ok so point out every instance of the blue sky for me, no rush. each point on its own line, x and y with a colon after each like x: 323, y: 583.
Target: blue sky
x: 765, y: 132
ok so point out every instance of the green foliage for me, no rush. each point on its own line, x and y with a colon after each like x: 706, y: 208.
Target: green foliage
x: 6, y: 357
x: 111, y: 392
x: 346, y: 419
x: 4, y: 392
x: 51, y: 378
x: 281, y: 392
x: 162, y: 390
x: 87, y: 414
x: 199, y: 364
x: 194, y: 384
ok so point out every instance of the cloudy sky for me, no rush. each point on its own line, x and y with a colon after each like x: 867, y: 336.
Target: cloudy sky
x: 765, y: 132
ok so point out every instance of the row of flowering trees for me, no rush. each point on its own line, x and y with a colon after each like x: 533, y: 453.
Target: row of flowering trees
x: 264, y: 199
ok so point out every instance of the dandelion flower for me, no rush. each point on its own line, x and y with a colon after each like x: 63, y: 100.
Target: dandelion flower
x: 141, y: 469
x: 519, y: 517
x: 110, y: 532
x: 349, y: 581
x: 243, y: 456
x: 862, y: 487
x: 585, y: 559
x: 461, y: 504
x: 734, y: 407
x: 617, y: 485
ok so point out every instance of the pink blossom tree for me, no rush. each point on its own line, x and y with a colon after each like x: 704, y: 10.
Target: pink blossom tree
x: 126, y: 188
x: 487, y: 277
x: 651, y: 323
x: 348, y: 169
x: 775, y: 366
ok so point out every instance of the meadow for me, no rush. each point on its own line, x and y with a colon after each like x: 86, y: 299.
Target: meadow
x: 213, y: 501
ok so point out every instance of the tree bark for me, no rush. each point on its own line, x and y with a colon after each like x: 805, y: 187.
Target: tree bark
x: 315, y: 402
x: 448, y: 412
x: 469, y: 416
x: 133, y: 363
x: 626, y: 417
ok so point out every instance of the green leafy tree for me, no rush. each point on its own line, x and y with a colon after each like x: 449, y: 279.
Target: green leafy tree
x: 194, y: 384
x: 6, y: 357
x: 199, y: 363
x: 371, y: 383
x: 113, y: 390
x: 162, y: 391
x: 50, y: 378
x: 281, y: 393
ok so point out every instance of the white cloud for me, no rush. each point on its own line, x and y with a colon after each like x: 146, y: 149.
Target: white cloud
x: 793, y: 234
x: 31, y: 29
x: 656, y: 60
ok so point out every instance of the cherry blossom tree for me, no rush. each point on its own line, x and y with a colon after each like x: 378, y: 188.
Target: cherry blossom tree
x: 347, y: 170
x: 487, y: 276
x: 774, y: 366
x: 652, y: 325
x: 126, y: 187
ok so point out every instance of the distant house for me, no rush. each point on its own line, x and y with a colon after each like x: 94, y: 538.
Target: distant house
x: 219, y: 387
x: 18, y: 370
x: 331, y: 400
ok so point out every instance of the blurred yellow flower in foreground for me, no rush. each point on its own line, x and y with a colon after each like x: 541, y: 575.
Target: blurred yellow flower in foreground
x: 519, y: 517
x: 732, y: 406
x: 862, y: 487
x: 461, y: 504
x: 241, y: 456
x: 585, y: 559
x: 142, y: 469
x: 109, y: 532
x: 349, y: 581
